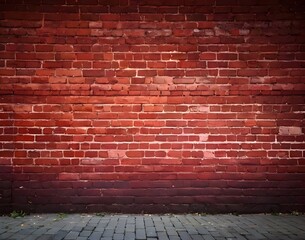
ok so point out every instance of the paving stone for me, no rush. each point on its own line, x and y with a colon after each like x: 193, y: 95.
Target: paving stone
x: 72, y: 235
x: 166, y: 221
x: 89, y: 228
x: 108, y: 233
x: 95, y: 236
x: 177, y: 225
x: 81, y: 238
x: 98, y: 229
x: 202, y: 230
x: 49, y: 237
x: 120, y: 229
x: 130, y: 227
x: 171, y: 231
x: 40, y: 231
x: 139, y: 222
x: 26, y: 231
x: 174, y: 238
x: 148, y: 222
x: 191, y: 230
x: 196, y: 237
x: 85, y: 233
x: 129, y: 236
x: 14, y: 230
x: 208, y: 237
x: 163, y: 227
x: 184, y: 235
x: 160, y: 228
x: 77, y: 228
x: 240, y: 237
x: 140, y: 233
x: 32, y: 237
x: 53, y: 231
x: 118, y: 236
x: 5, y: 235
x: 17, y: 236
x: 151, y: 232
x: 163, y: 235
x: 61, y: 234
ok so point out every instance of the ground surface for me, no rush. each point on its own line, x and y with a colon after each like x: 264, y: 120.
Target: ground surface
x: 193, y: 227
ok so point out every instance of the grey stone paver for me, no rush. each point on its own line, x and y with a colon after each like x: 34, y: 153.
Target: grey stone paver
x: 140, y: 233
x: 151, y: 232
x: 184, y: 235
x: 162, y: 235
x: 61, y: 234
x: 95, y: 236
x: 85, y: 233
x: 153, y: 227
x: 129, y: 236
x: 72, y: 235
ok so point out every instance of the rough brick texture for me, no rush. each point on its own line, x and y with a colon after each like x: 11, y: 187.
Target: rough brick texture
x: 152, y: 105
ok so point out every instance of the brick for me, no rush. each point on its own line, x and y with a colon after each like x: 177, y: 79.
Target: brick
x: 69, y: 176
x: 68, y: 72
x: 93, y: 73
x: 147, y: 73
x: 226, y: 56
x: 126, y: 73
x: 252, y: 72
x: 174, y: 17
x: 285, y: 130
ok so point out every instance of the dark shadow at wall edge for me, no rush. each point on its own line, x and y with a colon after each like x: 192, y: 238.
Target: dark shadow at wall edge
x: 7, y: 150
x: 121, y: 197
x: 5, y: 188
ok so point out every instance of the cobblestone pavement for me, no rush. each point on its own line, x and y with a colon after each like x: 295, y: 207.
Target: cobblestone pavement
x: 163, y: 227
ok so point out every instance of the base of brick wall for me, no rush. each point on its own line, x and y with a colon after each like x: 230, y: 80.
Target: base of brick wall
x: 154, y: 197
x: 159, y: 208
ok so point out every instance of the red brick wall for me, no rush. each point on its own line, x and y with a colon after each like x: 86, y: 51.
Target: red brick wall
x: 152, y: 105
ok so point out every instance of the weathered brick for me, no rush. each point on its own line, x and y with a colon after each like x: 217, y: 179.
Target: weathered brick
x: 290, y: 130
